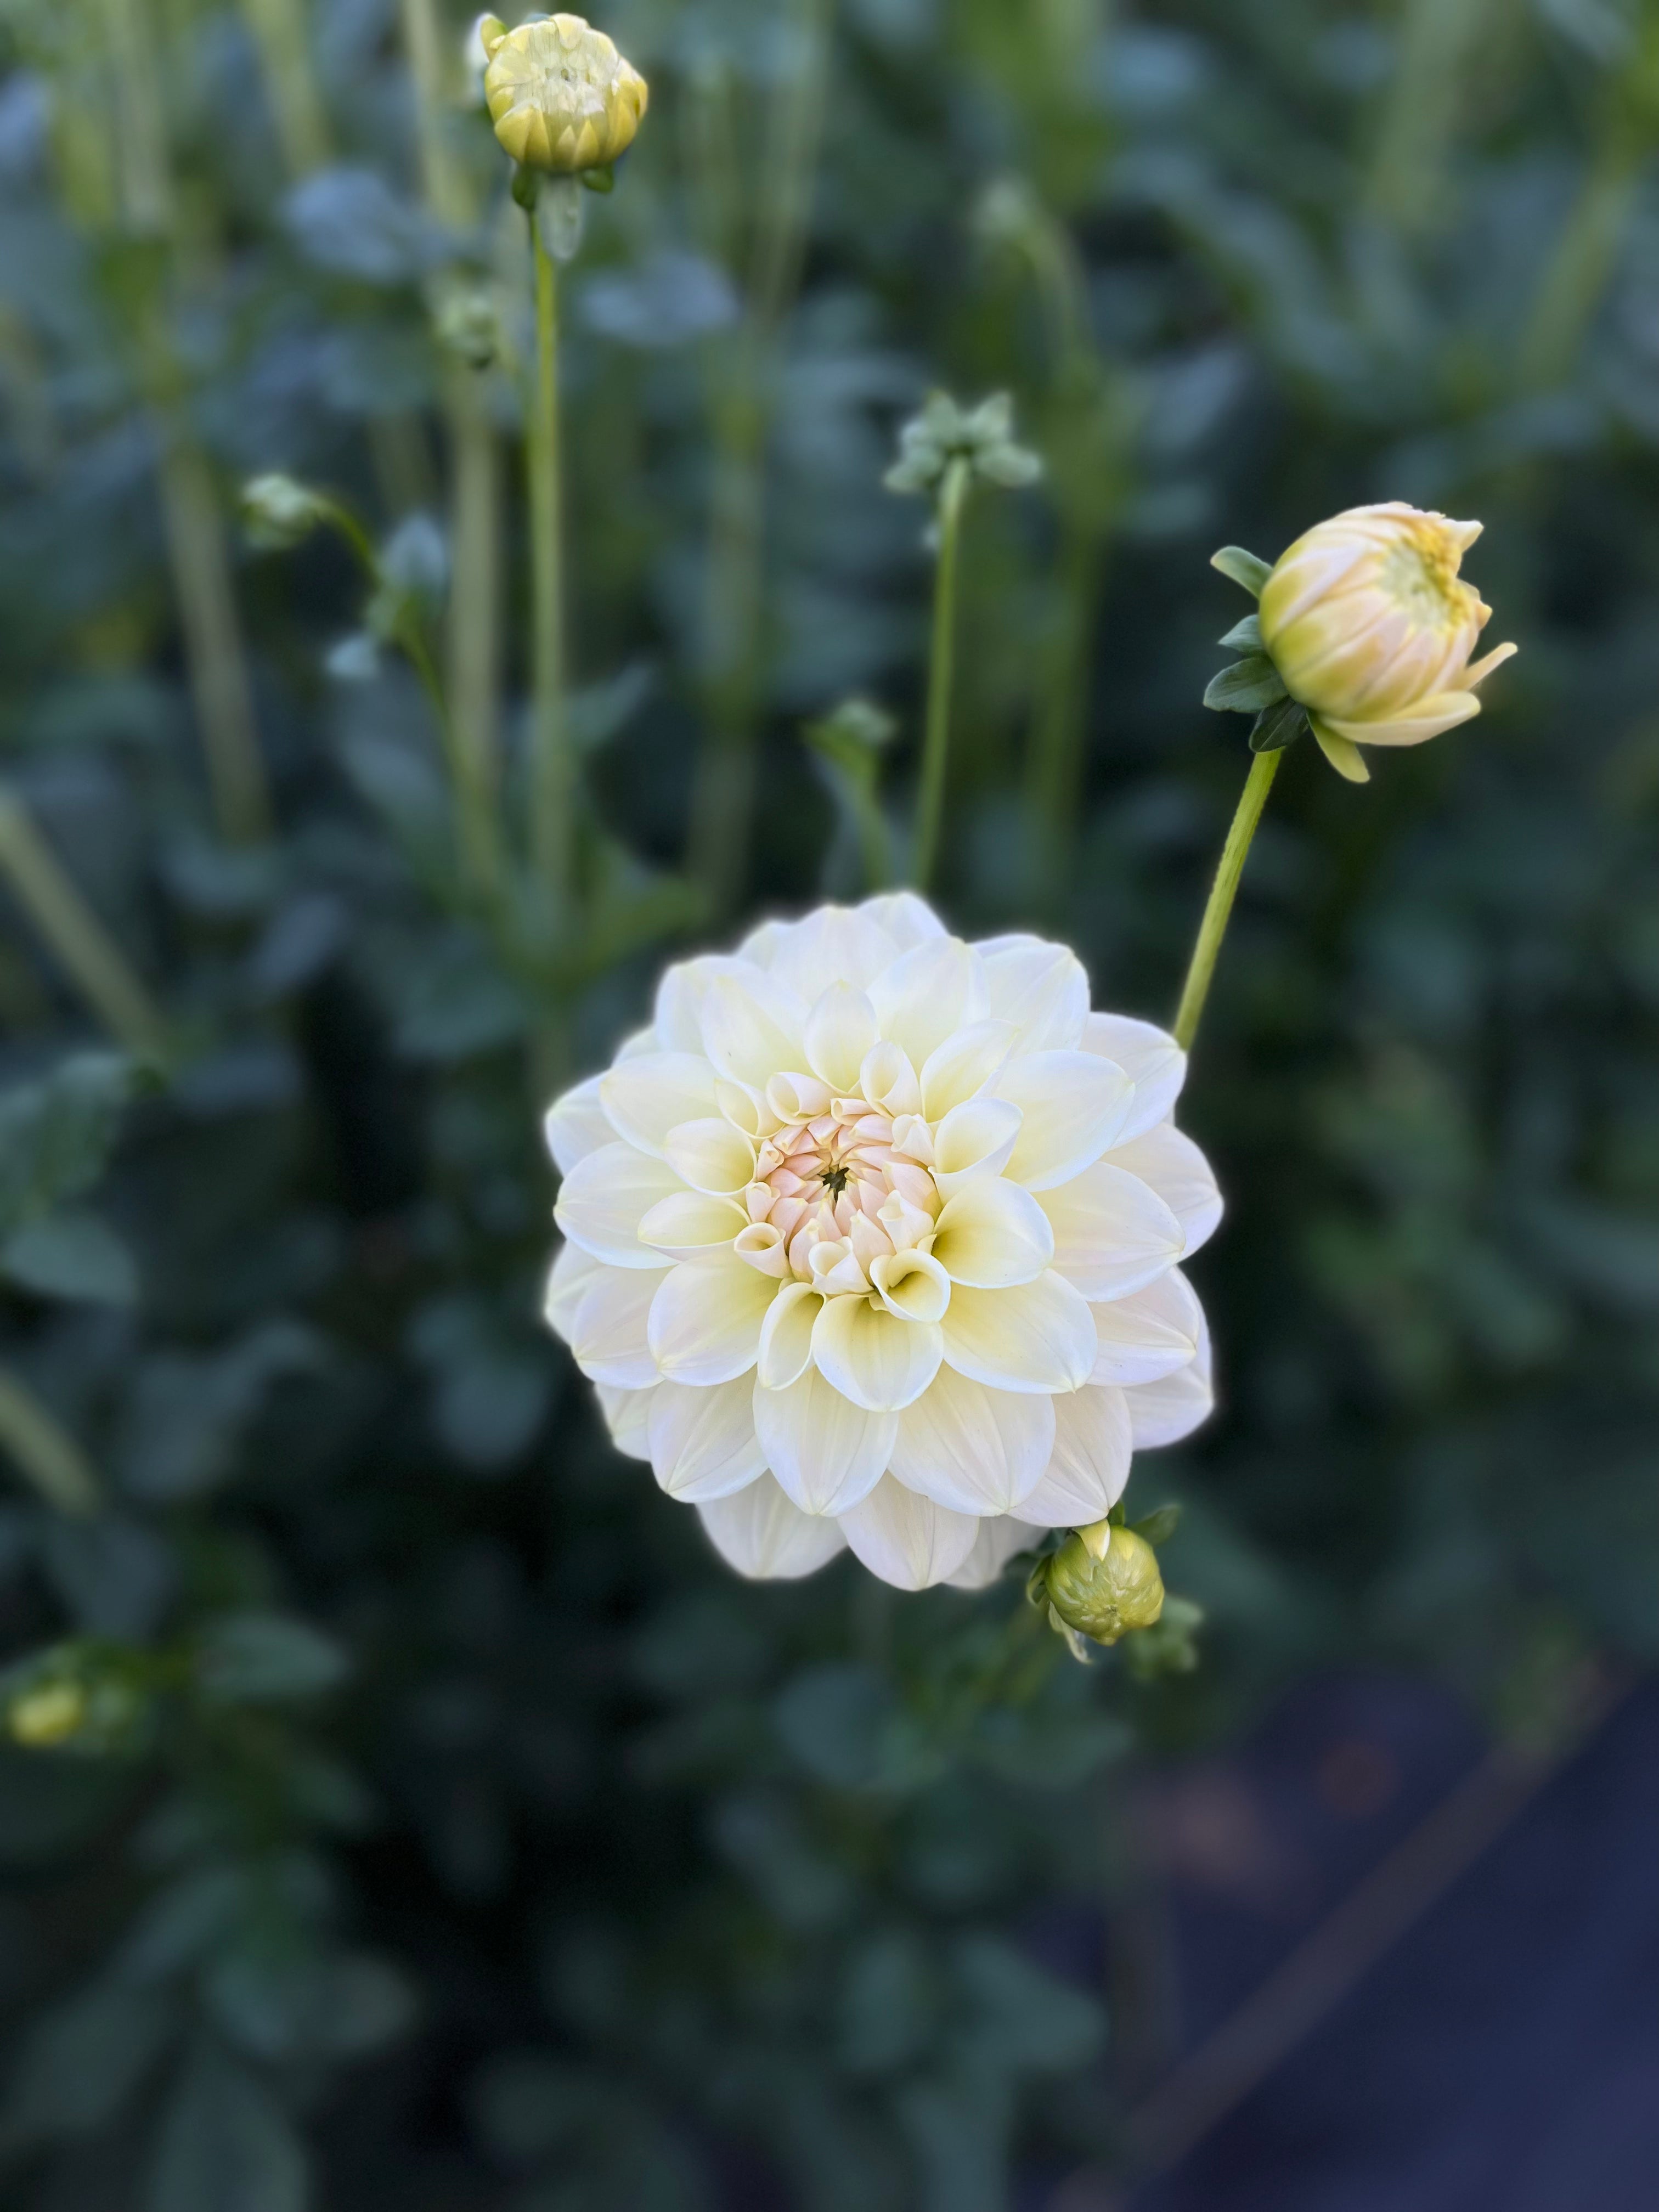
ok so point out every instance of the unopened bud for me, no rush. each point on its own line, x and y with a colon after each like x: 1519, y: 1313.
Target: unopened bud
x: 981, y: 438
x: 49, y: 1714
x: 279, y: 511
x: 560, y: 95
x: 1103, y: 1582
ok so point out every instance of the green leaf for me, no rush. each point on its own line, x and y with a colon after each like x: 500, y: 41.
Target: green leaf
x: 1246, y: 686
x: 84, y: 2059
x: 1159, y: 1527
x: 1245, y: 636
x: 1241, y: 568
x: 226, y: 2145
x: 55, y: 1133
x: 255, y: 1658
x: 71, y: 1256
x: 1279, y: 725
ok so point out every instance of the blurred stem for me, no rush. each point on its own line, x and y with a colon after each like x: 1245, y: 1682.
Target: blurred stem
x: 283, y: 34
x: 45, y: 1452
x: 213, y: 641
x: 82, y: 943
x: 941, y: 668
x: 552, y: 777
x: 1217, y: 914
x: 1576, y: 277
x: 1055, y: 773
x: 474, y: 530
x: 1439, y: 42
x: 723, y: 798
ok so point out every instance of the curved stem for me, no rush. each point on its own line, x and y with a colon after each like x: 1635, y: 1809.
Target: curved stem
x: 552, y: 778
x: 1213, y: 927
x: 936, y: 745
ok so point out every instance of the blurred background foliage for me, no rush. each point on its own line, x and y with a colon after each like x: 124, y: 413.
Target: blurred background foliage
x: 403, y: 1807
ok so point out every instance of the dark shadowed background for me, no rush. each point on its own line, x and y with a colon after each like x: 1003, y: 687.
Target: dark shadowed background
x: 425, y: 1818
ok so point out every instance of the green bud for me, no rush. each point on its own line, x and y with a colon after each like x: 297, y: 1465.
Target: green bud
x: 943, y: 432
x: 85, y: 1697
x: 279, y: 511
x: 467, y: 325
x: 1102, y: 1582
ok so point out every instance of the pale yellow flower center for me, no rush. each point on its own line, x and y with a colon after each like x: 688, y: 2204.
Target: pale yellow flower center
x: 844, y: 1185
x: 1418, y: 572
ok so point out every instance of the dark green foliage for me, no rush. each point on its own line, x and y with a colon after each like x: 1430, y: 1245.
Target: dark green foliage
x: 484, y: 1844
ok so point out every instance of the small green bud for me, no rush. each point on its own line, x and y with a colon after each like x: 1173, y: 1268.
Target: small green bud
x: 1102, y: 1582
x: 86, y: 1697
x: 279, y: 511
x: 467, y: 325
x: 943, y: 433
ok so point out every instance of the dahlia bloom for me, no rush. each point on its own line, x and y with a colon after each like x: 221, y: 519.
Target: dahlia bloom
x: 560, y: 95
x: 872, y: 1241
x: 1371, y: 628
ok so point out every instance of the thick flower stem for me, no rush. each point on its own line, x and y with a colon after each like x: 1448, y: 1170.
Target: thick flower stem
x: 1213, y: 927
x: 552, y: 768
x: 936, y: 744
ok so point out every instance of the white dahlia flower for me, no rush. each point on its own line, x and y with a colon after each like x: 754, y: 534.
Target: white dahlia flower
x: 872, y: 1240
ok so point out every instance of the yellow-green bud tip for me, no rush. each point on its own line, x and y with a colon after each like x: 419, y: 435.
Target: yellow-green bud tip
x: 48, y: 1715
x: 1103, y: 1582
x: 560, y: 95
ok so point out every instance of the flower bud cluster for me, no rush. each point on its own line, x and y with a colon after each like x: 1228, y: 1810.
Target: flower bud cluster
x: 981, y: 437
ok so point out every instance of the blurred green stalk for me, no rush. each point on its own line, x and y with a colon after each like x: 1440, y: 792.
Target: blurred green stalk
x: 941, y: 669
x: 45, y: 1452
x: 474, y: 528
x: 723, y: 796
x: 283, y: 34
x: 219, y: 681
x: 85, y: 949
x: 1224, y: 889
x: 1439, y: 40
x: 552, y: 764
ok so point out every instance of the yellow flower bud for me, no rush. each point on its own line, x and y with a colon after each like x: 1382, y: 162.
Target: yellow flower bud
x: 1371, y: 628
x: 560, y: 95
x: 48, y: 1714
x: 1104, y: 1581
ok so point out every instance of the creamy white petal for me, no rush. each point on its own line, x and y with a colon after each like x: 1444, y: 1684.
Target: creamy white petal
x: 905, y: 1539
x: 839, y: 1029
x: 911, y: 1284
x: 1085, y: 1476
x: 706, y: 1319
x: 626, y: 1415
x: 567, y: 1281
x: 711, y: 1156
x: 749, y: 1033
x: 991, y: 1233
x: 971, y: 1448
x: 759, y: 1533
x: 1112, y: 1233
x: 960, y: 1068
x: 690, y: 1225
x: 975, y: 1140
x: 575, y: 1125
x: 604, y: 1198
x: 1164, y: 1412
x: 998, y: 1538
x: 835, y: 945
x: 1036, y: 1336
x: 825, y: 1452
x: 679, y: 1010
x: 702, y: 1443
x: 646, y: 1098
x: 873, y: 1357
x: 1039, y: 986
x: 1151, y: 1060
x: 786, y: 1339
x: 929, y: 991
x: 907, y: 919
x: 1073, y: 1103
x: 608, y: 1331
x: 1175, y: 1168
x: 1144, y: 1338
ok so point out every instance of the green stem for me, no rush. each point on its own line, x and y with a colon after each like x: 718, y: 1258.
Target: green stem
x: 473, y: 634
x: 1055, y: 771
x: 936, y: 744
x: 1213, y: 927
x: 83, y: 944
x: 552, y: 776
x: 46, y: 1452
